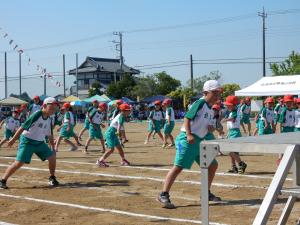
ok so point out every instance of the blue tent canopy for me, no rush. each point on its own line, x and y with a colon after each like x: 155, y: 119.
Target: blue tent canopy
x: 128, y: 100
x: 95, y: 97
x: 154, y: 98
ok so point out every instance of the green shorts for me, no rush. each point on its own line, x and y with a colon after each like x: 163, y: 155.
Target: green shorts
x: 297, y: 129
x: 209, y: 136
x: 8, y: 134
x: 28, y: 146
x: 245, y: 119
x: 95, y: 133
x: 86, y: 123
x: 262, y: 130
x: 155, y: 128
x: 187, y: 154
x: 287, y: 129
x: 111, y: 137
x: 67, y: 134
x: 169, y: 128
x: 234, y: 133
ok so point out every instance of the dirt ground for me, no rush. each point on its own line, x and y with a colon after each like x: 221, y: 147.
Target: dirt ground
x: 127, y: 195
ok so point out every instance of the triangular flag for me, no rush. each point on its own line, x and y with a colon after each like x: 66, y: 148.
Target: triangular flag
x: 15, y: 47
x: 5, y: 35
x: 11, y: 41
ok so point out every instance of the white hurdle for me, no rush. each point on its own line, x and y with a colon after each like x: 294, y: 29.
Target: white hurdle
x: 287, y: 144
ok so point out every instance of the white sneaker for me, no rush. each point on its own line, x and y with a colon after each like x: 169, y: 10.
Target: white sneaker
x: 146, y: 142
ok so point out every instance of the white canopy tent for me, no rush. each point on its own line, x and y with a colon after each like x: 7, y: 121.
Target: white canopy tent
x: 273, y: 86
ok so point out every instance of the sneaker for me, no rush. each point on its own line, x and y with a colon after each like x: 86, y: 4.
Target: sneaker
x: 233, y: 169
x: 171, y: 145
x: 85, y: 150
x: 53, y: 182
x: 125, y: 163
x: 101, y: 163
x: 242, y: 167
x: 164, y: 145
x: 3, y: 184
x: 164, y: 198
x: 146, y: 142
x: 213, y: 198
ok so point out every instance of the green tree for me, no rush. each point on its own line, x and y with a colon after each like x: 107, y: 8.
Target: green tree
x: 165, y: 83
x: 95, y: 89
x: 199, y: 81
x: 145, y: 87
x: 180, y: 93
x: 289, y: 67
x: 229, y: 89
x: 122, y: 88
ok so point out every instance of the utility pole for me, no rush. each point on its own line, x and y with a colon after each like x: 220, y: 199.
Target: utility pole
x: 20, y: 74
x: 119, y: 48
x: 64, y: 74
x: 192, y: 72
x: 45, y: 83
x: 5, y: 73
x: 263, y: 15
x: 77, y: 74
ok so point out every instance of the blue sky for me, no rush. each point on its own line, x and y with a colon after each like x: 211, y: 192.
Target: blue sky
x: 38, y: 23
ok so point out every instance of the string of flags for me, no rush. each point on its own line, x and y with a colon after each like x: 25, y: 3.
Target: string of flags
x: 40, y: 69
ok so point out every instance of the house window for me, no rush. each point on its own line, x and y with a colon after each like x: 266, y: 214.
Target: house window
x: 89, y: 76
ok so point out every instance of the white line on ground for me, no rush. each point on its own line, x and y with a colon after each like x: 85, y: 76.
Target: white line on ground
x: 162, y: 169
x: 140, y: 178
x: 4, y: 223
x: 113, y: 211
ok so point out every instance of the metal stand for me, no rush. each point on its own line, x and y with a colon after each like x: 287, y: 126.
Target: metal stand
x: 291, y: 155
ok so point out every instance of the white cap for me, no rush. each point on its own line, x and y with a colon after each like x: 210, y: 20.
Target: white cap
x: 49, y: 100
x: 211, y: 85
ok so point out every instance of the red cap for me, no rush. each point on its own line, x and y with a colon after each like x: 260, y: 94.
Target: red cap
x: 102, y: 105
x: 66, y: 105
x: 17, y: 111
x: 36, y: 97
x: 23, y: 106
x: 248, y: 99
x: 94, y: 101
x: 288, y: 98
x: 125, y: 107
x: 167, y: 101
x: 216, y: 107
x: 231, y: 100
x: 157, y: 102
x: 298, y: 100
x: 269, y: 100
x: 242, y: 101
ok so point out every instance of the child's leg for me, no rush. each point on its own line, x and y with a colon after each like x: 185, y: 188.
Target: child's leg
x: 88, y: 141
x: 70, y: 143
x: 249, y: 128
x: 148, y: 136
x: 211, y: 174
x: 121, y: 152
x: 3, y: 141
x: 171, y: 138
x: 58, y: 142
x: 81, y: 132
x: 170, y: 178
x: 52, y: 164
x: 77, y: 140
x: 234, y: 158
x: 255, y: 132
x: 103, y: 144
x: 11, y: 169
x: 160, y: 135
x: 107, y: 154
x: 243, y: 126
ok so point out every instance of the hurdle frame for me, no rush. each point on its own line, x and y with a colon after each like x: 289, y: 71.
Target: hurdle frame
x: 286, y: 144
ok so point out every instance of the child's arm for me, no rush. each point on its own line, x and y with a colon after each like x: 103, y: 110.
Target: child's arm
x: 15, y: 137
x: 189, y: 136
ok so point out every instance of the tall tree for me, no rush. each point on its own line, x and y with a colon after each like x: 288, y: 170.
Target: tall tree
x: 199, y: 81
x: 165, y: 83
x: 289, y: 67
x: 95, y: 89
x: 229, y: 89
x: 122, y: 88
x: 145, y: 87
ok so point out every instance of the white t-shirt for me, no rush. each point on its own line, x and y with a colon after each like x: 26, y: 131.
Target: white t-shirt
x: 12, y: 124
x: 69, y: 117
x: 288, y: 117
x: 34, y: 108
x: 36, y: 127
x: 297, y: 118
x: 156, y: 115
x: 268, y: 115
x: 201, y: 116
x: 170, y: 113
x: 97, y: 117
x: 236, y: 123
x: 118, y: 121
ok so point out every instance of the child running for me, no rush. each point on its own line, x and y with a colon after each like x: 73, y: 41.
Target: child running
x: 67, y: 129
x: 233, y: 127
x: 32, y: 140
x: 155, y: 120
x: 112, y: 140
x: 196, y: 125
x: 267, y: 117
x: 287, y: 119
x: 297, y: 116
x: 87, y: 119
x: 245, y: 115
x: 169, y: 123
x: 96, y: 123
x: 12, y: 124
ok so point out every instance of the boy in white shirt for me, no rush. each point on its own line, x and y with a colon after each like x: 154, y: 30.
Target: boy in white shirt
x: 12, y: 123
